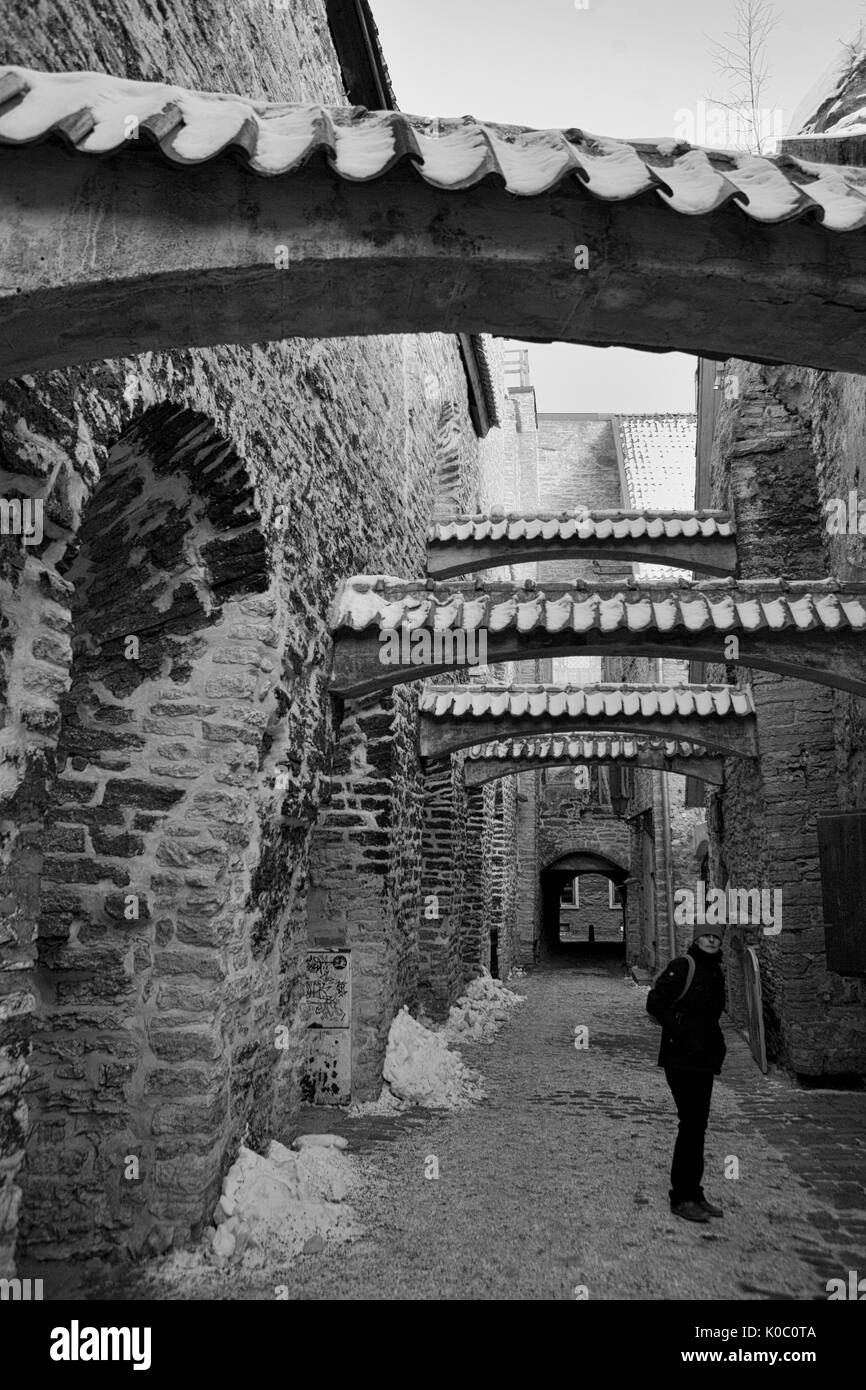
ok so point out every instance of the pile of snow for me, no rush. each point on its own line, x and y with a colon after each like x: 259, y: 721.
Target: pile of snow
x: 274, y: 1206
x: 478, y: 1014
x: 387, y: 1104
x: 421, y: 1071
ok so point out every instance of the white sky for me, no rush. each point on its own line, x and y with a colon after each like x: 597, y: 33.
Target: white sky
x: 620, y: 67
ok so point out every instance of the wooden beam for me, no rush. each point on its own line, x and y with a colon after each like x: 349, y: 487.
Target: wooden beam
x: 834, y: 658
x: 710, y: 554
x: 733, y: 736
x: 108, y: 257
x: 480, y: 770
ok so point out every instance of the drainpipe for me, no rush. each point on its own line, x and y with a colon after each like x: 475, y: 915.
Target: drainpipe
x: 667, y: 851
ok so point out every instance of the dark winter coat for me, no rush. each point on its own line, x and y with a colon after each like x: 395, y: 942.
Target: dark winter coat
x: 691, y: 1037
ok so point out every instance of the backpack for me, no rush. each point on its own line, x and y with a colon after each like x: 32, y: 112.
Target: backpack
x: 690, y: 975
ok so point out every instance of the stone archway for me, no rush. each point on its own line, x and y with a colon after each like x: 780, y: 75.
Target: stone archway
x: 590, y: 932
x: 155, y: 929
x: 544, y: 235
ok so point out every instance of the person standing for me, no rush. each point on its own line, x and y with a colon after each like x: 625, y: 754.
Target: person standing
x: 688, y: 1000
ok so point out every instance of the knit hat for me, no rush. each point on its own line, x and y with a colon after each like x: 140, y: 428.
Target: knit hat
x: 709, y: 929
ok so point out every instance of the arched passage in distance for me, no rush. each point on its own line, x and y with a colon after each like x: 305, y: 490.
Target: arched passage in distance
x: 583, y: 907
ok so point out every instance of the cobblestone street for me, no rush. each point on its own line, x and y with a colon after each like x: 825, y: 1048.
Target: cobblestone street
x: 560, y: 1178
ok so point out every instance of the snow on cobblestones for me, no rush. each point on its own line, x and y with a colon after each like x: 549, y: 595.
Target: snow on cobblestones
x: 272, y: 1208
x: 420, y: 1068
x: 478, y: 1014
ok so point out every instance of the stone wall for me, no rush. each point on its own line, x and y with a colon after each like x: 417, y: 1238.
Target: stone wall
x: 365, y: 871
x: 570, y: 823
x: 837, y: 410
x: 528, y: 909
x: 500, y: 872
x: 474, y: 938
x: 788, y: 442
x: 443, y: 844
x: 194, y: 775
x: 579, y: 466
x: 593, y: 911
x: 658, y: 800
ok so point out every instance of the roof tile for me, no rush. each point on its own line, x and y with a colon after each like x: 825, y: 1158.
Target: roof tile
x: 89, y: 111
x: 609, y: 701
x: 721, y: 605
x: 586, y: 748
x: 632, y: 525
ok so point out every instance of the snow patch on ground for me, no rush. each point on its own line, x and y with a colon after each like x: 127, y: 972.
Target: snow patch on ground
x: 387, y: 1104
x: 479, y: 1013
x: 420, y: 1069
x: 273, y: 1207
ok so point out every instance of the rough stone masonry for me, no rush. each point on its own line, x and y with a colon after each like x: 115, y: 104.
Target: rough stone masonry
x: 176, y: 801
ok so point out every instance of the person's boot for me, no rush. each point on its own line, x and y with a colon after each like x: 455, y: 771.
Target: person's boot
x: 690, y: 1211
x: 709, y: 1207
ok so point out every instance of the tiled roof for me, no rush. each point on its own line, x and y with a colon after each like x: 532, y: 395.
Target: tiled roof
x: 90, y: 110
x: 658, y: 454
x: 586, y: 749
x: 588, y: 701
x: 482, y: 348
x: 721, y: 605
x: 585, y: 524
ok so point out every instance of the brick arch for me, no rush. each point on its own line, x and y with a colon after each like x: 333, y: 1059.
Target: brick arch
x: 569, y: 861
x: 587, y: 862
x: 147, y: 937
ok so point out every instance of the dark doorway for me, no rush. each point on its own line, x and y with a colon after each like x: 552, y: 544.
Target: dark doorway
x: 583, y: 908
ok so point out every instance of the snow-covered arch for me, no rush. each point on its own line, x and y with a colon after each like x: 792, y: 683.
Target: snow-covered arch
x: 211, y: 218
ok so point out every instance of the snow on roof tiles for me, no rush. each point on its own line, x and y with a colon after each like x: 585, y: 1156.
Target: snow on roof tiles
x: 658, y: 454
x: 586, y: 749
x: 720, y: 605
x: 90, y: 111
x: 585, y: 701
x: 586, y: 525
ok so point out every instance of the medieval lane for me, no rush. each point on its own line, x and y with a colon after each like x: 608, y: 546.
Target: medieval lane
x: 559, y: 1179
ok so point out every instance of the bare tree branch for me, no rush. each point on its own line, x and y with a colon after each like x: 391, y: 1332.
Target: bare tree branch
x: 743, y: 62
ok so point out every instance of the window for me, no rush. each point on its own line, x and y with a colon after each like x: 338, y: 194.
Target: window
x: 612, y: 895
x: 571, y: 893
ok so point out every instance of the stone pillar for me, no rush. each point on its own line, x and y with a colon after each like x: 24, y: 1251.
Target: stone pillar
x: 142, y: 867
x: 366, y: 871
x: 528, y: 911
x: 631, y: 907
x: 763, y: 826
x: 503, y: 875
x: 472, y: 930
x: 443, y: 846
